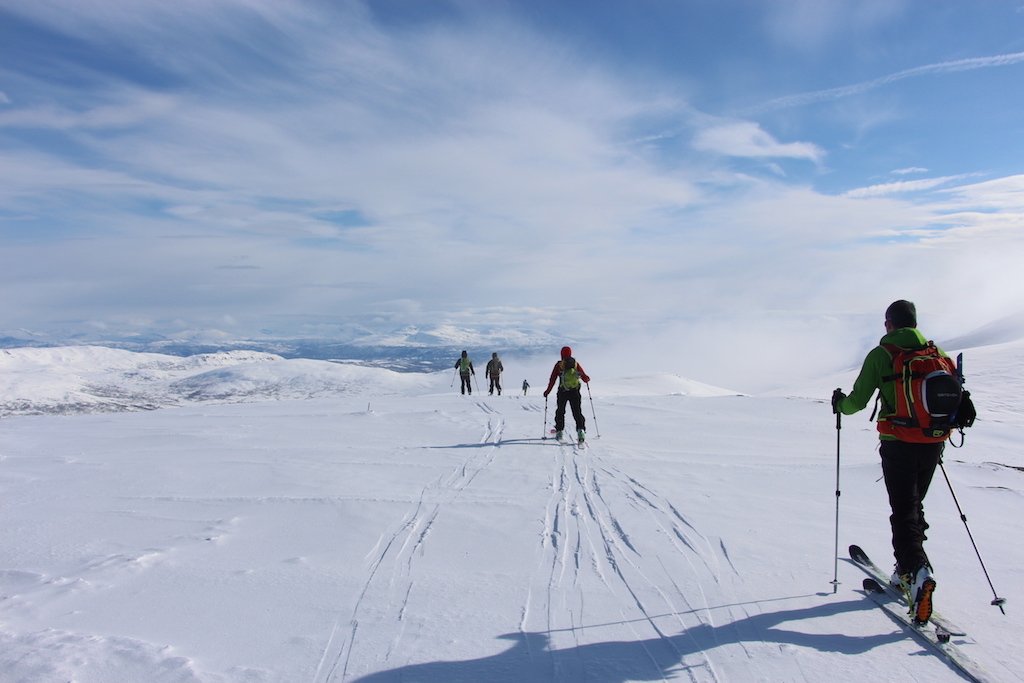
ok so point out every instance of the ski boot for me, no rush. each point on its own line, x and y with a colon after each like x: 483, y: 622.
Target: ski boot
x: 920, y: 595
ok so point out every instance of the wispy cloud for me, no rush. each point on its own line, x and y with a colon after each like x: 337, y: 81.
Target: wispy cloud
x: 305, y: 167
x: 829, y: 94
x: 902, y: 186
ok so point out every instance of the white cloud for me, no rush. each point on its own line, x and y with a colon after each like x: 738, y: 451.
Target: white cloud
x: 497, y: 176
x: 901, y: 186
x: 747, y: 139
x: 1001, y: 193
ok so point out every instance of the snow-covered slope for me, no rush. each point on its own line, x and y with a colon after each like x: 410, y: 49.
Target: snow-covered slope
x: 436, y: 538
x: 657, y: 384
x: 93, y: 379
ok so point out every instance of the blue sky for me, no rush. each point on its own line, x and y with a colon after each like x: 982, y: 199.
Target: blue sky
x: 650, y: 174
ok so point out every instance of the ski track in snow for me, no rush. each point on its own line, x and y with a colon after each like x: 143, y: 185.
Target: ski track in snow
x: 584, y: 538
x: 390, y: 577
x: 586, y: 552
x: 588, y: 558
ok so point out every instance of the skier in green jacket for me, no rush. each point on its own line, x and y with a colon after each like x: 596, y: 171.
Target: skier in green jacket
x: 465, y: 367
x: 907, y: 467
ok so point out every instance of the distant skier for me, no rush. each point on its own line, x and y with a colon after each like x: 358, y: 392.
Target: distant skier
x: 526, y: 387
x: 909, y: 457
x: 465, y: 368
x: 568, y: 373
x: 493, y: 372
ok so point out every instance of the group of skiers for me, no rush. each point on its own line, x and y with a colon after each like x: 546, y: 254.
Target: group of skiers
x: 912, y: 438
x: 567, y: 372
x: 493, y: 371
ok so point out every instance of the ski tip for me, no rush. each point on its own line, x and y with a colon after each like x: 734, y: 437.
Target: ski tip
x: 872, y: 586
x: 858, y: 555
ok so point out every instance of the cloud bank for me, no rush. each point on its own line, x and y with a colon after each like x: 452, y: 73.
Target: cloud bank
x: 293, y: 168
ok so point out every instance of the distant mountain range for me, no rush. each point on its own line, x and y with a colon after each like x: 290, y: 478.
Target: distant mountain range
x: 404, y: 349
x: 94, y: 379
x: 70, y: 380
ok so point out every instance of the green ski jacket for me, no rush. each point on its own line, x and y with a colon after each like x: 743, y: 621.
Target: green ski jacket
x: 877, y: 365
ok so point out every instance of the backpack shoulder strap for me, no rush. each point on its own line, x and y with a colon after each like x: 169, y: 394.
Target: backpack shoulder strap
x: 894, y: 352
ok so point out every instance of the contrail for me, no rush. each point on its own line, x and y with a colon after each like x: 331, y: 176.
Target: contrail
x: 858, y: 88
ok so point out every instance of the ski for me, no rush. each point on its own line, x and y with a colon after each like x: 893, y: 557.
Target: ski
x: 568, y: 441
x: 553, y: 435
x: 937, y: 639
x: 861, y: 559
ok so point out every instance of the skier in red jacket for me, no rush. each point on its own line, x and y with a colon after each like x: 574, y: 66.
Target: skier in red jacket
x: 568, y: 373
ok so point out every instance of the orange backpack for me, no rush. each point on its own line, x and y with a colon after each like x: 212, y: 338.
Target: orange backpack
x: 928, y: 394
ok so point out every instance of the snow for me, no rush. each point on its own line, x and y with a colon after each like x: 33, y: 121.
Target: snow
x: 309, y: 521
x: 91, y: 379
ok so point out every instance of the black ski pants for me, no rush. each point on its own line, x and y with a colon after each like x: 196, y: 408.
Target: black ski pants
x: 575, y: 401
x: 465, y: 385
x: 495, y: 384
x: 908, y: 470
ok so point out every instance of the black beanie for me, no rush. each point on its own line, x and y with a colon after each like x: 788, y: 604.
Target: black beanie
x: 902, y: 313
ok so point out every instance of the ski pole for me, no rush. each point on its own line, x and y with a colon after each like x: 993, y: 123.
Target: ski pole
x: 544, y: 434
x: 454, y: 376
x: 997, y: 601
x: 835, y: 570
x: 597, y: 429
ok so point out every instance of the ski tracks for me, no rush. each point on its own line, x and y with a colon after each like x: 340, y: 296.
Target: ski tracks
x: 588, y: 555
x: 390, y: 575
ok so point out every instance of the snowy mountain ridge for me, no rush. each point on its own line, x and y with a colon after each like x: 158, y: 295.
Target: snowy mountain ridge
x: 405, y: 347
x: 96, y: 379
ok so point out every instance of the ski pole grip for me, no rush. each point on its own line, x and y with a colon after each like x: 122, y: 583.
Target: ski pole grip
x: 835, y: 409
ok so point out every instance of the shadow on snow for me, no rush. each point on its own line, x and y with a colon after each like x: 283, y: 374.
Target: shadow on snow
x: 531, y: 659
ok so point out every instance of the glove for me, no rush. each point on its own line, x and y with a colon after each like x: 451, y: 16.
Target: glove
x: 546, y: 393
x: 837, y: 397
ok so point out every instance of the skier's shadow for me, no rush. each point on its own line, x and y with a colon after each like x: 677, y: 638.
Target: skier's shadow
x: 531, y: 659
x: 492, y: 444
